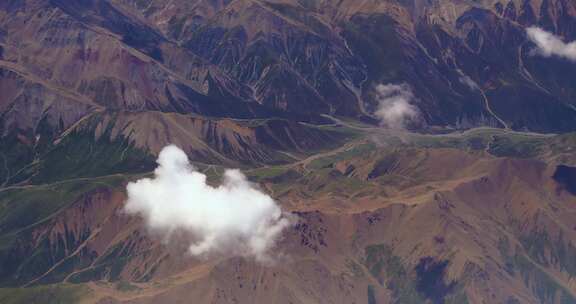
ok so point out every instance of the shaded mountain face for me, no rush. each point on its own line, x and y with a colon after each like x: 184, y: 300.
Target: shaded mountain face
x: 287, y: 91
x: 290, y: 59
x: 468, y: 64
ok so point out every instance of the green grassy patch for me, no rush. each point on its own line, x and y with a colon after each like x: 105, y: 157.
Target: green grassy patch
x: 275, y: 175
x: 520, y: 146
x: 537, y: 280
x: 426, y: 287
x: 389, y: 270
x: 329, y: 160
x: 126, y: 286
x: 471, y: 141
x: 48, y: 294
x: 81, y: 155
x: 564, y: 144
x: 24, y: 206
x: 542, y: 285
x: 549, y: 251
x: 496, y: 141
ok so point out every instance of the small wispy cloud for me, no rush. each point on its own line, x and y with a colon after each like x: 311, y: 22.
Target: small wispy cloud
x: 551, y: 45
x: 395, y: 109
x: 233, y: 219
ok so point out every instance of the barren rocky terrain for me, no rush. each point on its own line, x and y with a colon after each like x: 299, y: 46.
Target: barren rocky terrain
x: 473, y: 201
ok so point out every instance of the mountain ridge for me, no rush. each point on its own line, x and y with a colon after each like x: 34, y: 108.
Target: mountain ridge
x: 471, y: 202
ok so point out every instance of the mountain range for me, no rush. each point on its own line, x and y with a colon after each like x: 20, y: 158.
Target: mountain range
x: 470, y: 200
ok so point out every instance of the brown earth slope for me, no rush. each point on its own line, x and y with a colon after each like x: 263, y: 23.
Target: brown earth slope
x: 443, y: 219
x: 91, y: 90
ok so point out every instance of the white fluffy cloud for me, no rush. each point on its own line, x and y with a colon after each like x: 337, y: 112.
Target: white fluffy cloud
x: 395, y: 107
x: 550, y: 44
x: 234, y: 218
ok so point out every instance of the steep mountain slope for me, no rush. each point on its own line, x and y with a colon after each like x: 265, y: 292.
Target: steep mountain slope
x: 393, y: 223
x: 469, y: 64
x: 468, y: 206
x: 431, y: 45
